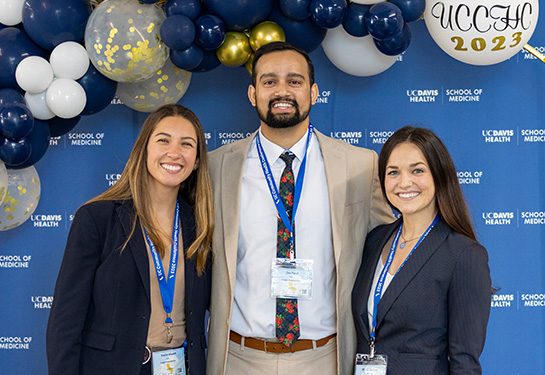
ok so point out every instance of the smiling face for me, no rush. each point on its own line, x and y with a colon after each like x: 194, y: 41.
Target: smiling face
x: 409, y: 183
x: 282, y: 93
x: 171, y: 153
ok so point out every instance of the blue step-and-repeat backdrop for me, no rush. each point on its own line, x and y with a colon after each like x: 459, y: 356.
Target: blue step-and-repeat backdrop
x: 492, y: 119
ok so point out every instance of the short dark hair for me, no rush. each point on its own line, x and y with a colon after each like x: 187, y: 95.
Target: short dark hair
x: 278, y: 47
x: 449, y: 197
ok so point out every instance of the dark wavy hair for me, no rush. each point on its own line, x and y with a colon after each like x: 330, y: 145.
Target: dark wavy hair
x: 278, y: 47
x: 448, y: 194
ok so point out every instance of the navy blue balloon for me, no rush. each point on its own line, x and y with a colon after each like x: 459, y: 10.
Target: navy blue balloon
x: 99, y: 89
x: 178, y: 32
x: 384, y: 20
x: 9, y: 96
x: 395, y: 45
x: 412, y: 10
x: 297, y: 10
x: 16, y: 121
x: 187, y: 59
x: 148, y: 1
x: 188, y: 8
x: 39, y: 142
x: 210, y: 61
x: 15, y: 45
x: 354, y: 20
x: 60, y: 126
x: 50, y: 23
x: 209, y: 32
x: 239, y: 15
x: 14, y: 153
x: 303, y: 34
x: 328, y: 13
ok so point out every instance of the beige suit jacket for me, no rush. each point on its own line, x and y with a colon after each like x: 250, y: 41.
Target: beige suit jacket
x: 356, y: 205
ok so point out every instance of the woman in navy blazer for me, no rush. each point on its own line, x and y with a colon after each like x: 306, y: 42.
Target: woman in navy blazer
x: 422, y: 294
x: 102, y: 309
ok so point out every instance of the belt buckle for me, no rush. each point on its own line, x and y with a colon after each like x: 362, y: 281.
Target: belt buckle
x: 147, y: 355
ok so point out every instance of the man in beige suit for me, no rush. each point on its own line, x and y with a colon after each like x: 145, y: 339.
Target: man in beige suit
x: 340, y: 202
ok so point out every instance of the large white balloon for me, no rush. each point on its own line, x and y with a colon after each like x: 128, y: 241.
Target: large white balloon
x: 38, y: 105
x: 66, y: 98
x: 357, y: 56
x: 481, y: 32
x: 3, y: 181
x: 21, y: 199
x: 69, y: 60
x: 34, y: 74
x: 11, y: 12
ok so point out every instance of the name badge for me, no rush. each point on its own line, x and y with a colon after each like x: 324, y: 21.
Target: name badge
x: 168, y: 362
x: 371, y: 366
x: 292, y: 279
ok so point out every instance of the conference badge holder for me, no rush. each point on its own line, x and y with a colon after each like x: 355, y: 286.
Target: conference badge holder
x: 168, y: 362
x: 292, y: 278
x: 370, y: 365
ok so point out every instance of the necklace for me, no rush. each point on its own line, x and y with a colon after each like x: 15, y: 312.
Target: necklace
x: 402, y: 245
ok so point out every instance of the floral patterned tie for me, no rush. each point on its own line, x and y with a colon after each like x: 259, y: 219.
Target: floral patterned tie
x: 287, y: 320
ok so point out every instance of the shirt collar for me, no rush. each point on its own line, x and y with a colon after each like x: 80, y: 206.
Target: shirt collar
x: 273, y: 151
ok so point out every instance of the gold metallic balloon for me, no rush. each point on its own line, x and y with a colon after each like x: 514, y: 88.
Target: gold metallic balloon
x: 264, y: 33
x: 235, y: 50
x: 249, y: 64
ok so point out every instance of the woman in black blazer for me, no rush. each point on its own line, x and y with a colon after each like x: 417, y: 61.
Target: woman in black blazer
x: 123, y: 292
x: 422, y: 294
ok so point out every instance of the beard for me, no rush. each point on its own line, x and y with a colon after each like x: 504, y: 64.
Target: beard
x: 283, y: 120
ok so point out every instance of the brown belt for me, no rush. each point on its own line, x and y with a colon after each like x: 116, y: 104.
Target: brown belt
x: 277, y: 347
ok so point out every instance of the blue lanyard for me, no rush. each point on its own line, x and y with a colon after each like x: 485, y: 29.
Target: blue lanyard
x: 382, y: 277
x: 274, y: 189
x: 167, y: 289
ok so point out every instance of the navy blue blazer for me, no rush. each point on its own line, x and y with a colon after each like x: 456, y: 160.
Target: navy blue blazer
x: 99, y: 318
x: 432, y: 318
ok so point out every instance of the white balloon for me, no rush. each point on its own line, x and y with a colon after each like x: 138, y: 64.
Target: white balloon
x: 11, y: 12
x: 357, y: 56
x: 3, y: 181
x: 481, y: 32
x: 69, y: 60
x: 38, y: 105
x: 66, y: 98
x: 34, y: 74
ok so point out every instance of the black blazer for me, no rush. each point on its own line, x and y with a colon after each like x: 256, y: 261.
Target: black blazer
x: 99, y: 319
x: 432, y: 318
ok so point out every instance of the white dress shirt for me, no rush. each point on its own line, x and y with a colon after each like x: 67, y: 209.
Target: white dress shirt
x: 254, y: 309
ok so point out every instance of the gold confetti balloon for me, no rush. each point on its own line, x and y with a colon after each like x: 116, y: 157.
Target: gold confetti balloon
x: 3, y: 181
x: 21, y: 199
x: 166, y: 86
x: 235, y: 50
x: 123, y: 41
x: 266, y: 32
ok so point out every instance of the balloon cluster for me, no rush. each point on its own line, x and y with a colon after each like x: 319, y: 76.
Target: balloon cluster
x: 366, y: 38
x: 42, y: 57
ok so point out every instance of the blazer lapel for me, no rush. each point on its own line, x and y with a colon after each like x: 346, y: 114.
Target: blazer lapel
x: 188, y: 235
x: 136, y: 245
x: 335, y: 172
x: 369, y: 268
x: 413, y: 265
x: 231, y: 183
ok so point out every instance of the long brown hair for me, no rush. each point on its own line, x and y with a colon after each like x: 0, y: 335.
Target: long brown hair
x: 196, y: 189
x: 448, y: 194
